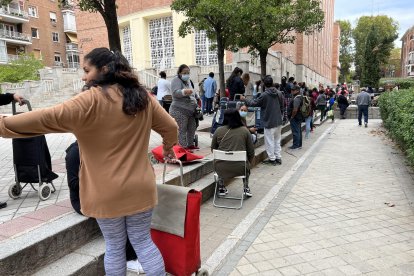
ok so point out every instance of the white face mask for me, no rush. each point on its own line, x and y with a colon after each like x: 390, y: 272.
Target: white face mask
x: 185, y: 77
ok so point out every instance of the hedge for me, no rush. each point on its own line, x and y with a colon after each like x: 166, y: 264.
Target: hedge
x: 404, y: 83
x: 397, y: 113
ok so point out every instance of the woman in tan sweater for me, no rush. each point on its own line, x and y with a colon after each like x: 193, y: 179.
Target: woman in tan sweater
x: 112, y: 122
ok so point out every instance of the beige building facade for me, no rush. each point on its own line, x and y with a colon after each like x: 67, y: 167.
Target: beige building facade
x: 150, y: 41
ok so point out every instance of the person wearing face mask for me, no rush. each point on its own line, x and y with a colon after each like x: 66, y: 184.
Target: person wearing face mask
x: 243, y: 111
x: 271, y: 104
x: 183, y: 107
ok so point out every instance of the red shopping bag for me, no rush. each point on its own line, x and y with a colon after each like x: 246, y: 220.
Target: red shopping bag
x: 182, y: 254
x: 181, y: 153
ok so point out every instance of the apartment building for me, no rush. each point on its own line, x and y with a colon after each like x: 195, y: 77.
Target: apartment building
x: 40, y: 27
x: 149, y: 38
x: 407, y: 53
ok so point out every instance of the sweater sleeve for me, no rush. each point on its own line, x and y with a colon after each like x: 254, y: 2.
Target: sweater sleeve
x: 6, y: 98
x: 65, y: 117
x: 177, y: 88
x: 163, y: 124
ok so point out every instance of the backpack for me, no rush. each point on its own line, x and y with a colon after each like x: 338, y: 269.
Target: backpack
x: 305, y: 107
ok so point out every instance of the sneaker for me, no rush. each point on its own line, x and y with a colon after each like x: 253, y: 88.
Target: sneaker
x: 278, y: 161
x: 366, y: 124
x: 269, y: 162
x: 3, y: 205
x: 247, y: 192
x: 223, y: 191
x: 294, y: 147
x: 135, y: 266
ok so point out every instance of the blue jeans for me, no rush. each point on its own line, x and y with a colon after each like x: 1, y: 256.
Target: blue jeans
x: 362, y: 109
x: 295, y: 125
x: 308, y: 122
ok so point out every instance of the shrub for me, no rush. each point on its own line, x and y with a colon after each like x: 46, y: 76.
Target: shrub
x: 404, y: 83
x: 26, y: 67
x: 397, y: 113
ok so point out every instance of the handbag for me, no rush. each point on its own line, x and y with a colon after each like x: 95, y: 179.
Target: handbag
x: 198, y: 114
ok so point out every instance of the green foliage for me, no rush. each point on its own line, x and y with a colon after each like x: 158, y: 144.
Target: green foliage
x: 397, y: 112
x: 26, y: 67
x: 5, y: 2
x: 387, y: 32
x: 346, y: 54
x: 275, y: 21
x: 370, y: 74
x: 403, y: 83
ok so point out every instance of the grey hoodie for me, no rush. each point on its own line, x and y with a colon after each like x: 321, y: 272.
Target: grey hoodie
x: 271, y: 104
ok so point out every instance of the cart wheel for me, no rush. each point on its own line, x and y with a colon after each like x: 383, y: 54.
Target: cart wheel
x: 44, y: 191
x: 153, y: 160
x: 202, y: 272
x: 196, y: 140
x: 15, y: 190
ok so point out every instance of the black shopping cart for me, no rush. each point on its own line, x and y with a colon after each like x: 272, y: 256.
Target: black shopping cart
x: 32, y: 164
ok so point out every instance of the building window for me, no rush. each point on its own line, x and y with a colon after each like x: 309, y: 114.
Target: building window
x: 3, y: 51
x: 162, y: 42
x: 33, y: 11
x: 35, y: 33
x: 53, y: 17
x: 126, y: 39
x: 73, y: 60
x: 55, y: 37
x: 58, y: 61
x: 204, y: 54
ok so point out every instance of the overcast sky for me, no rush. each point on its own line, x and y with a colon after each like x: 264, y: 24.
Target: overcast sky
x: 400, y: 10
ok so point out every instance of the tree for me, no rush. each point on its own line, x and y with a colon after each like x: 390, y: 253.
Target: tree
x: 107, y: 9
x: 387, y: 30
x: 393, y: 64
x: 26, y: 67
x: 371, y: 73
x: 346, y: 56
x: 275, y: 21
x: 217, y: 18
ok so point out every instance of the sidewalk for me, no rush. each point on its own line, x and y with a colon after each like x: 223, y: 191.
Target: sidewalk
x: 344, y: 208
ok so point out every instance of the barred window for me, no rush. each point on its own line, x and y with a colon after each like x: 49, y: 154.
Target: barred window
x: 204, y: 55
x: 162, y: 42
x: 127, y: 44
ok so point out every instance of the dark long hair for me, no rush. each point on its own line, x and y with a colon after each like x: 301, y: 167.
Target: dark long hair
x: 118, y: 71
x: 234, y: 74
x: 232, y: 118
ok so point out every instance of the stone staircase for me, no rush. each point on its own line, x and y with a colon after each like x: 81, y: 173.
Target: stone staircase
x: 73, y: 245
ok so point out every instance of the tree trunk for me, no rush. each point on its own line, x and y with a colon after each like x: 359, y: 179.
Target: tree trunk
x: 220, y: 56
x: 111, y: 21
x: 263, y: 62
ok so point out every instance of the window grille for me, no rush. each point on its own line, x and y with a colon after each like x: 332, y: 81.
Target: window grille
x: 162, y: 42
x: 204, y: 55
x: 126, y: 32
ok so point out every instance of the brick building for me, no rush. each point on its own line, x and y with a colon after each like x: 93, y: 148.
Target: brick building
x: 407, y: 53
x: 149, y: 38
x: 40, y: 27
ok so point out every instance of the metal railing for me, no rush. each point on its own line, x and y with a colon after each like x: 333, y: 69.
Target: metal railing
x: 71, y: 47
x: 15, y: 35
x: 215, y: 68
x: 73, y: 65
x: 13, y: 12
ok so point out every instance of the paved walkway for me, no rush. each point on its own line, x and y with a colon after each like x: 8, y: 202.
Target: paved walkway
x: 344, y: 208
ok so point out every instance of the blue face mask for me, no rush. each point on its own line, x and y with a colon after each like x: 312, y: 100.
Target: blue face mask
x: 185, y: 77
x: 243, y: 114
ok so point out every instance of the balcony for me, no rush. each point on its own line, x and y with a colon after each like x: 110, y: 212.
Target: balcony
x: 13, y: 15
x: 15, y: 37
x: 8, y: 58
x: 69, y: 27
x: 71, y: 47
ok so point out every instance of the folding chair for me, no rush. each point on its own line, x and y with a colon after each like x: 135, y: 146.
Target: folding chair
x: 229, y: 156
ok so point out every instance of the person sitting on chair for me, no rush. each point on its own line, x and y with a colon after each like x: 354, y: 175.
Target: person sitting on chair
x: 233, y: 136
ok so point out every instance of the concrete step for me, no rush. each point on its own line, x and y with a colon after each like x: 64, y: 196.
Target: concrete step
x: 50, y: 248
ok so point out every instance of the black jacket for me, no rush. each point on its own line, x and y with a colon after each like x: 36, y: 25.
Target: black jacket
x: 6, y: 98
x: 236, y: 86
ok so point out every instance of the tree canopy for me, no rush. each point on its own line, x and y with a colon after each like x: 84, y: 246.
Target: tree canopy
x: 386, y: 29
x: 264, y: 23
x: 346, y: 53
x: 217, y: 18
x: 26, y: 67
x: 370, y: 74
x: 107, y: 9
